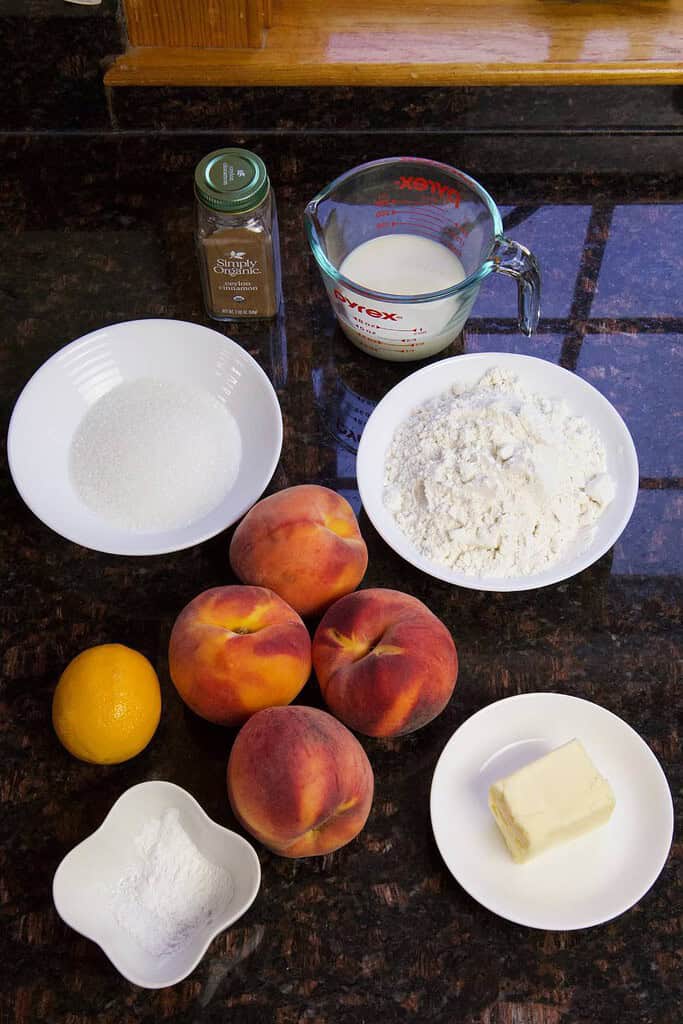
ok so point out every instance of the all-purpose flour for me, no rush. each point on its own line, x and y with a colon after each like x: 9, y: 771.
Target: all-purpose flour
x: 493, y: 480
x: 170, y: 889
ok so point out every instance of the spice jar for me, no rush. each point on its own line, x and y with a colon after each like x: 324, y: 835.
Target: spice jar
x: 237, y: 236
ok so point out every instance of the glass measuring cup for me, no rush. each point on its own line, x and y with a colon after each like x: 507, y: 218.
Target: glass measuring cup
x: 408, y: 196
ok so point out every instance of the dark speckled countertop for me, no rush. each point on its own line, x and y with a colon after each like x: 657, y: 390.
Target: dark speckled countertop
x: 98, y: 230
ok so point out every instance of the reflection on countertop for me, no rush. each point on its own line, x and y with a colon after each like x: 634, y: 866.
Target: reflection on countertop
x: 99, y: 230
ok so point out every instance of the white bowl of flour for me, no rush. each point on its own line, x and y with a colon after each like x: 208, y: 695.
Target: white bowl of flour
x: 497, y: 472
x: 145, y: 437
x: 155, y: 883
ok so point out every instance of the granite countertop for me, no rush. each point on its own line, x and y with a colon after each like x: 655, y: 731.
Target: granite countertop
x: 98, y: 230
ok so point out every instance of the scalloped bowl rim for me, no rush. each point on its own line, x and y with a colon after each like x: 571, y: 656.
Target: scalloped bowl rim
x: 196, y: 949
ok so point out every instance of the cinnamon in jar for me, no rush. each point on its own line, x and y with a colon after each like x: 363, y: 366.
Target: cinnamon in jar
x: 237, y: 236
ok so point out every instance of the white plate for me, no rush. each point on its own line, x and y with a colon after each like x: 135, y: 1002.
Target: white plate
x: 58, y: 395
x: 86, y: 874
x: 578, y: 884
x: 539, y: 376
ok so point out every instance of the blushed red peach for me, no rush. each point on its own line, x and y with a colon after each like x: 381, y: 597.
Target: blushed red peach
x: 299, y: 781
x: 235, y: 650
x: 386, y: 665
x: 304, y: 543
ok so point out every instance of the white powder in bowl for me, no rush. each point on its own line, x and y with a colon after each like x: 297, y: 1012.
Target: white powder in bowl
x: 170, y: 889
x: 493, y: 480
x: 154, y: 455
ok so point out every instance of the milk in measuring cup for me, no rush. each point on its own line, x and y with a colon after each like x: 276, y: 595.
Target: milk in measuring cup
x: 401, y: 264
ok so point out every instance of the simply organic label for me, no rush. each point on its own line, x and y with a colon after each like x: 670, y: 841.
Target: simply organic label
x: 240, y: 274
x: 236, y: 264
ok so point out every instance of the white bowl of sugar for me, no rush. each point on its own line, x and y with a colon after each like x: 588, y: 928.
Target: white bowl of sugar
x: 145, y: 437
x: 155, y: 883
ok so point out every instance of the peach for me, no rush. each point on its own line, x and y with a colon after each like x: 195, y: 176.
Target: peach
x: 235, y: 650
x: 303, y: 543
x: 299, y: 781
x: 385, y: 664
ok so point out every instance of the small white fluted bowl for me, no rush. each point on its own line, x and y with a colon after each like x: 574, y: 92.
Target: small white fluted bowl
x: 58, y: 395
x: 89, y: 872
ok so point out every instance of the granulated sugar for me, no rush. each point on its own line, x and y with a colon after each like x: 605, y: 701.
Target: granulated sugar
x: 154, y: 455
x: 494, y: 480
x: 170, y: 889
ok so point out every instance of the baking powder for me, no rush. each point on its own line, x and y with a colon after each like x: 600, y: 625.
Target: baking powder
x: 493, y: 480
x: 170, y: 889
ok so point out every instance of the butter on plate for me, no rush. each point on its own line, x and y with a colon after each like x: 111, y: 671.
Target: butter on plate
x: 558, y: 797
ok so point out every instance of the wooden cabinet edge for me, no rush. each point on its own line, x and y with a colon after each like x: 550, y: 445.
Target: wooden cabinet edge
x: 188, y: 23
x: 155, y: 66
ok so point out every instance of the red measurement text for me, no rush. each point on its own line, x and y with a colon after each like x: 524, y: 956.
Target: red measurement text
x: 377, y: 314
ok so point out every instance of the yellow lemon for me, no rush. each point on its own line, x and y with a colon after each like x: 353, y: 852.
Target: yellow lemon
x: 107, y: 704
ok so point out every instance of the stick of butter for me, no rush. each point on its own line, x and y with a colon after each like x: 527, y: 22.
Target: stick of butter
x: 558, y: 797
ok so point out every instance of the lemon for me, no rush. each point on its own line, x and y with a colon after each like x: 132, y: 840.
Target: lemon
x: 107, y: 704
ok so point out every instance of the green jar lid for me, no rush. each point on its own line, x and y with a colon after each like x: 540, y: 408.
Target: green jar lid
x: 231, y: 180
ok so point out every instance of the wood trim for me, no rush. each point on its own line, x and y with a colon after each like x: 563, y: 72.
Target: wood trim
x: 267, y: 8
x: 178, y: 67
x: 195, y: 23
x: 453, y: 42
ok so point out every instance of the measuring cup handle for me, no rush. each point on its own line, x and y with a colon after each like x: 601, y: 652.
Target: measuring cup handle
x: 516, y: 261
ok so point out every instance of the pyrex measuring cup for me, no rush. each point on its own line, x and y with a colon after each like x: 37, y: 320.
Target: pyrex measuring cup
x: 408, y: 196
